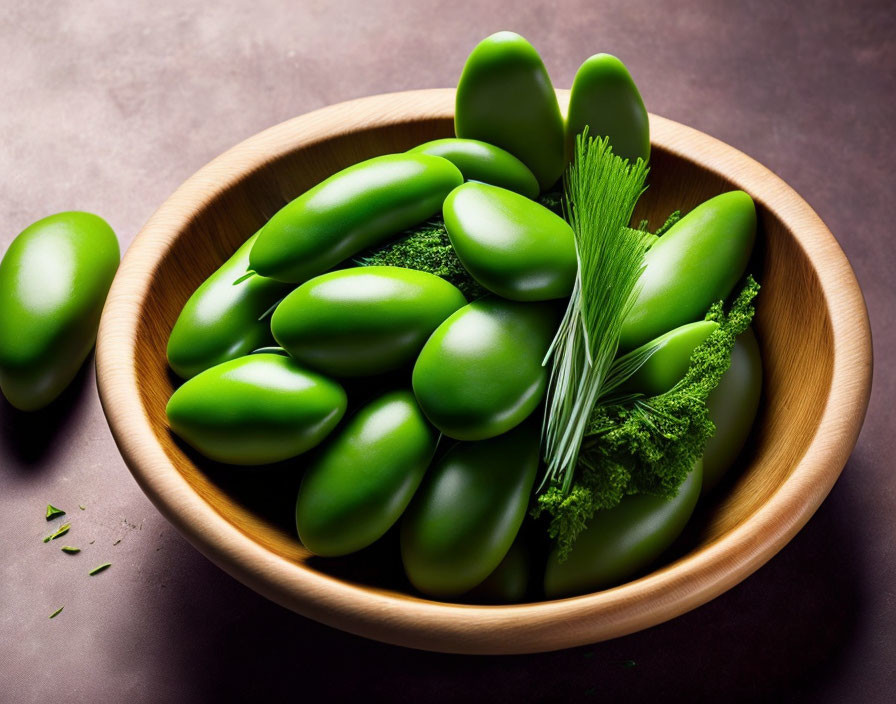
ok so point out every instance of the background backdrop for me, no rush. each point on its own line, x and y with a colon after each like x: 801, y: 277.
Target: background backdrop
x: 108, y: 106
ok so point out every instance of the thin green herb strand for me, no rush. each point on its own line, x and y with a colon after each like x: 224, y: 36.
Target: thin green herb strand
x: 100, y: 568
x: 601, y: 192
x: 63, y: 529
x: 57, y: 612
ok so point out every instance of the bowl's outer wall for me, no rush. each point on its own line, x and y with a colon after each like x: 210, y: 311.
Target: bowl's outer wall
x: 811, y: 322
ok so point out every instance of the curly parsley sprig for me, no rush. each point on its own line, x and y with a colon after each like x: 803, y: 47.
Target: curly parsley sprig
x: 647, y: 445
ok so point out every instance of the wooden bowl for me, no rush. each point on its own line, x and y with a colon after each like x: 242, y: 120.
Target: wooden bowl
x: 811, y: 323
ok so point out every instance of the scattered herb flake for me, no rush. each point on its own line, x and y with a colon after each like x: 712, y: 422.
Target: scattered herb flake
x: 629, y: 663
x: 117, y: 542
x: 57, y: 612
x: 82, y: 507
x: 100, y: 568
x: 63, y: 529
x: 53, y: 512
x: 91, y: 542
x: 70, y: 550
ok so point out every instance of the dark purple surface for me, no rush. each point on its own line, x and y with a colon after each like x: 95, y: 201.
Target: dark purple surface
x: 108, y: 107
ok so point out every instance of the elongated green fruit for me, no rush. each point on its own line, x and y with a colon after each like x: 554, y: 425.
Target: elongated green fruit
x: 224, y: 319
x: 480, y: 161
x: 510, y: 244
x: 604, y: 97
x: 352, y: 210
x: 510, y: 580
x: 53, y: 283
x: 255, y: 410
x: 622, y: 541
x: 480, y: 374
x: 696, y: 263
x: 733, y: 405
x: 669, y: 363
x: 468, y: 511
x: 505, y: 98
x: 363, y: 321
x: 365, y: 477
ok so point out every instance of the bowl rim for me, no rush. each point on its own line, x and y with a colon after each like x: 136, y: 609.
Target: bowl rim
x: 417, y: 622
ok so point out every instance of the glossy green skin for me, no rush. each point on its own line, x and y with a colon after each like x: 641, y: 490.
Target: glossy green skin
x: 668, y: 365
x: 220, y: 321
x: 255, y: 410
x: 363, y: 321
x: 510, y: 580
x: 605, y: 98
x: 365, y: 477
x: 481, y: 161
x: 480, y: 373
x: 468, y: 511
x: 352, y: 210
x: 621, y: 542
x: 696, y: 263
x: 510, y: 244
x: 505, y: 98
x: 733, y: 405
x: 53, y: 283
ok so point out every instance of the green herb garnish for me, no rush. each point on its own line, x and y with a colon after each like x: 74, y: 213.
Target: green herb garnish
x: 670, y: 221
x: 82, y: 507
x: 100, y: 568
x: 116, y: 542
x: 601, y: 192
x: 647, y: 445
x: 70, y: 550
x: 57, y: 612
x: 63, y: 529
x: 427, y: 248
x: 53, y: 512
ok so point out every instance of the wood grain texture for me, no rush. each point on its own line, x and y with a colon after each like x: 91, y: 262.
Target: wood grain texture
x: 811, y: 323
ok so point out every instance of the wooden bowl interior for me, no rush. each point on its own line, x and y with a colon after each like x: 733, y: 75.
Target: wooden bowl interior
x: 793, y: 327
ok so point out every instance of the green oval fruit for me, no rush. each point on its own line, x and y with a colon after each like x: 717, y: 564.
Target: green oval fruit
x: 733, y: 405
x: 480, y: 161
x: 53, y: 283
x: 604, y: 97
x: 365, y: 477
x: 668, y: 365
x: 468, y: 511
x: 255, y: 410
x: 363, y: 321
x: 505, y: 98
x: 510, y: 580
x: 480, y: 373
x: 352, y: 210
x: 622, y: 541
x: 696, y: 263
x: 510, y: 244
x: 222, y: 320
